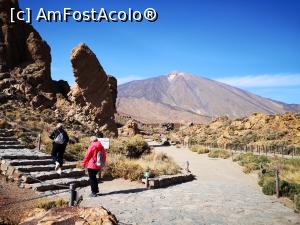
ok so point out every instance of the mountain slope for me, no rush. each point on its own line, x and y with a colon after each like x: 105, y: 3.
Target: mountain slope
x: 180, y: 97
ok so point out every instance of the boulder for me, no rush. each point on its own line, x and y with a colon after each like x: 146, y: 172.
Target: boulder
x: 71, y: 215
x: 91, y: 95
x: 130, y: 129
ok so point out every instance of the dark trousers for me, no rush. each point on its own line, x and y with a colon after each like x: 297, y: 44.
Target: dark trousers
x: 93, y: 180
x: 58, y: 152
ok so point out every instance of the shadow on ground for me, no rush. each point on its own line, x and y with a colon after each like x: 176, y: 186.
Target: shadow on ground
x: 129, y: 191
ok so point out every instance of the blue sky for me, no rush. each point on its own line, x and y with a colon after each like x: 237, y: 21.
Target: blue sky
x: 251, y: 44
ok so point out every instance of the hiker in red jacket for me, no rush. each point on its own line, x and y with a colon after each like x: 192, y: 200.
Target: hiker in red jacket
x: 91, y: 162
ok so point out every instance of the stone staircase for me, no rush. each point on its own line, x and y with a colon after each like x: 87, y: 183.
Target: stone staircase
x: 34, y: 169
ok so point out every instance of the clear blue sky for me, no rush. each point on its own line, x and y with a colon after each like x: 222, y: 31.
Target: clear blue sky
x: 252, y: 44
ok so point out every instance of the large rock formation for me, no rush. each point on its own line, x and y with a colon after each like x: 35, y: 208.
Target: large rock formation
x: 25, y: 76
x: 25, y: 61
x: 71, y: 215
x: 93, y: 95
x: 130, y: 129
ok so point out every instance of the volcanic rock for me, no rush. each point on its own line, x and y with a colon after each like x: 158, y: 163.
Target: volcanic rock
x: 71, y: 215
x: 130, y: 129
x: 25, y: 61
x: 92, y: 96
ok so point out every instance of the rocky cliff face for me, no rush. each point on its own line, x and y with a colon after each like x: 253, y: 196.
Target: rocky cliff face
x: 25, y: 76
x: 93, y: 95
x: 25, y: 62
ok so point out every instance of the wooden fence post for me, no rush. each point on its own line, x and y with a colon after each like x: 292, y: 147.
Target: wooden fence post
x: 277, y: 182
x: 39, y: 141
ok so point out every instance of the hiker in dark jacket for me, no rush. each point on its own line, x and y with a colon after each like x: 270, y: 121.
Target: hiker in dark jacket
x: 60, y: 140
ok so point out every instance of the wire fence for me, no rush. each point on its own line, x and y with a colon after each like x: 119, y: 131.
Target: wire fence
x: 283, y: 150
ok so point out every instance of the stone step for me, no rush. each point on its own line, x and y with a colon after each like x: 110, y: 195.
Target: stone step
x: 27, y: 169
x: 35, y: 177
x: 8, y: 138
x: 24, y: 156
x: 58, y: 184
x: 7, y: 134
x: 31, y: 162
x: 11, y: 142
x: 19, y: 146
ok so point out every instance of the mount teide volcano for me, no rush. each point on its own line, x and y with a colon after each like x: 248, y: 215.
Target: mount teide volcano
x: 180, y: 97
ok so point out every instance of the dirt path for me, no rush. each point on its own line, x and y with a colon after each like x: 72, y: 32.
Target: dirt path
x: 10, y: 193
x: 222, y: 194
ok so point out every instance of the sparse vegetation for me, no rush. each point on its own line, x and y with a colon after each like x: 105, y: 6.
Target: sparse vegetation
x: 4, y: 221
x: 219, y: 153
x: 252, y: 162
x: 47, y: 204
x: 119, y: 166
x: 289, y: 183
x: 297, y: 201
x: 269, y: 187
x: 199, y: 149
x: 133, y: 147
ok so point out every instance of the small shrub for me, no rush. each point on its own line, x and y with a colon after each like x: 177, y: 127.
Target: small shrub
x: 126, y: 169
x: 3, y: 124
x: 132, y: 147
x: 199, y: 149
x: 252, y: 162
x: 74, y: 152
x: 289, y: 189
x: 269, y: 187
x: 159, y: 164
x: 291, y: 170
x: 220, y: 153
x: 45, y: 204
x: 119, y: 166
x: 248, y: 168
x: 297, y: 201
x: 265, y: 178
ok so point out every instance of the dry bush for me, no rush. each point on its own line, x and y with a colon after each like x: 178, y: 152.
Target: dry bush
x: 3, y: 124
x: 252, y: 162
x: 199, y: 149
x: 132, y: 147
x: 119, y: 166
x: 159, y: 164
x: 47, y: 204
x: 290, y: 170
x: 220, y: 153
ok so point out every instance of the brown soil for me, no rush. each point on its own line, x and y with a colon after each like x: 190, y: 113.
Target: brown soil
x: 12, y: 204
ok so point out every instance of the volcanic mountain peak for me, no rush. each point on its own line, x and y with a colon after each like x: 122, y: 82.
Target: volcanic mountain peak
x: 181, y: 96
x: 173, y: 75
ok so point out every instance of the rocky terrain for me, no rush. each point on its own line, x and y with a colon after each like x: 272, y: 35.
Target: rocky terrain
x: 25, y: 77
x: 181, y: 98
x: 257, y: 129
x: 74, y: 215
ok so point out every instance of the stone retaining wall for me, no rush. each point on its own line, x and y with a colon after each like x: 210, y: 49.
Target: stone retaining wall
x: 169, y: 180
